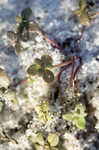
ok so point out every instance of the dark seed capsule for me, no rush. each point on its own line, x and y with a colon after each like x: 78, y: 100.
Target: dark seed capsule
x: 46, y: 61
x: 48, y: 76
x: 33, y: 69
x: 11, y: 35
x: 38, y: 61
x: 26, y: 13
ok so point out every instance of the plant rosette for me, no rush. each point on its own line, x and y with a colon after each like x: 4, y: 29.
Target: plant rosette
x: 77, y: 117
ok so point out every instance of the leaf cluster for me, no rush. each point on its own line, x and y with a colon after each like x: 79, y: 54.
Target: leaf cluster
x: 77, y: 117
x: 45, y: 144
x: 43, y: 111
x: 84, y: 15
x: 40, y: 67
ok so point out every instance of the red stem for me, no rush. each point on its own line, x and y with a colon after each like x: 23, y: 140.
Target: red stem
x: 77, y: 70
x: 51, y: 41
x: 65, y: 63
x: 71, y: 78
x: 59, y: 75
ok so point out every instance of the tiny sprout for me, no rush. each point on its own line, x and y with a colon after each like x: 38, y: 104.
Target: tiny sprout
x: 40, y: 68
x: 53, y: 139
x: 43, y: 111
x: 84, y: 16
x: 77, y: 117
x: 41, y: 144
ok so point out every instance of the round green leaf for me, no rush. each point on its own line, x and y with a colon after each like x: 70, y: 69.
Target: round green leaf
x: 81, y: 123
x: 33, y: 69
x: 75, y: 119
x: 68, y: 116
x: 53, y: 139
x: 26, y: 13
x: 48, y: 76
x: 46, y: 61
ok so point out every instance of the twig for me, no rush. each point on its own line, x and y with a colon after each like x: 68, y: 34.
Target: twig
x: 59, y: 75
x: 77, y: 69
x: 65, y: 63
x: 71, y: 78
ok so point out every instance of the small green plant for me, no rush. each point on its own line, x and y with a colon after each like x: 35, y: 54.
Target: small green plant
x: 77, y: 117
x: 43, y: 111
x: 23, y: 21
x: 41, y: 68
x: 22, y: 31
x: 84, y: 15
x: 48, y: 144
x: 53, y: 139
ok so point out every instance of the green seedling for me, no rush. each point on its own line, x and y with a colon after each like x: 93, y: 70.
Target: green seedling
x: 23, y: 27
x: 48, y: 144
x: 41, y: 68
x: 84, y: 15
x: 53, y: 139
x: 77, y: 117
x: 22, y: 31
x: 43, y: 111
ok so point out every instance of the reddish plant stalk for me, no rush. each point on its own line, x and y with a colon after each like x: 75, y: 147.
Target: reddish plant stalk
x: 65, y: 63
x: 59, y: 75
x: 51, y: 41
x: 77, y: 70
x: 72, y: 71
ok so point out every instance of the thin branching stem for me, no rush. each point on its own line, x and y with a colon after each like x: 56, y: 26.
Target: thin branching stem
x: 65, y: 63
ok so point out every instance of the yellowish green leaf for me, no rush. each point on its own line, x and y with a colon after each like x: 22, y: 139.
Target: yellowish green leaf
x: 53, y: 139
